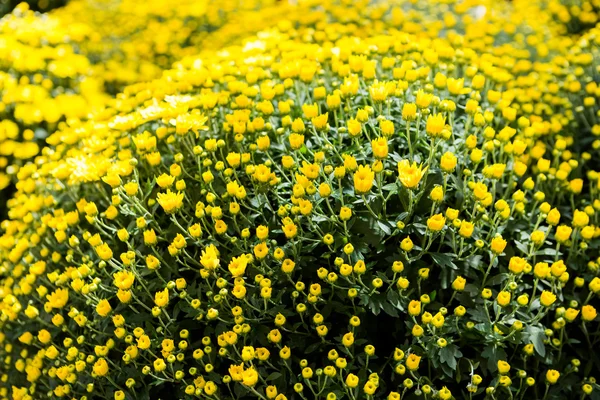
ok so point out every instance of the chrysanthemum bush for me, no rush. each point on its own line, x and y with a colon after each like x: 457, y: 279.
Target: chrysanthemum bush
x: 61, y: 66
x: 317, y: 215
x: 43, y: 81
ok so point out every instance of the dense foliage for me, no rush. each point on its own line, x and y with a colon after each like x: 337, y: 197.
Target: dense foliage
x: 389, y: 200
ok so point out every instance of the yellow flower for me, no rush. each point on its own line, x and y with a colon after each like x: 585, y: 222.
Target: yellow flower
x: 498, y: 245
x: 459, y: 284
x: 445, y: 394
x: 588, y: 313
x: 503, y: 367
x: 437, y: 194
x: 261, y: 250
x: 541, y: 270
x: 152, y: 262
x: 423, y: 99
x: 250, y: 377
x: 438, y: 320
x: 310, y: 110
x: 170, y: 201
x: 414, y: 307
x: 210, y: 257
x: 305, y: 206
x: 234, y: 159
x: 150, y: 238
x: 58, y: 298
x: 412, y: 362
x: 103, y: 308
x: 576, y: 186
x: 290, y: 230
x: 354, y: 127
x: 448, y: 162
x: 410, y: 174
x: 31, y: 312
x: 104, y: 252
x: 409, y: 111
x: 333, y: 101
x: 124, y: 296
x: 571, y: 314
x: 417, y: 330
x: 436, y: 222
x: 563, y: 233
x: 466, y: 229
x: 123, y: 279
x: 324, y: 190
x: 26, y: 338
x: 516, y: 265
x: 345, y: 213
x: 131, y: 188
x: 379, y: 147
x: 320, y: 122
x: 406, y: 244
x: 538, y: 237
x: 455, y: 86
x: 311, y: 171
x: 386, y: 127
x: 237, y: 266
x: 350, y: 163
x: 298, y: 125
x: 100, y: 367
x: 348, y: 339
x: 494, y: 171
x: 580, y: 219
x: 296, y: 141
x: 503, y: 298
x: 594, y: 285
x: 262, y: 173
x: 52, y: 352
x: 112, y: 179
x: 239, y: 291
x: 352, y: 381
x: 552, y: 376
x: 236, y: 372
x: 547, y: 298
x: 159, y: 365
x: 370, y: 387
x: 435, y: 124
x: 363, y: 179
x: 378, y: 92
x: 480, y: 191
x: 161, y: 298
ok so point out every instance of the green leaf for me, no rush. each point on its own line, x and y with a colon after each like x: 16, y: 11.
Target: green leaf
x: 392, y: 188
x: 493, y: 354
x: 384, y: 227
x: 312, y: 347
x: 498, y: 279
x: 521, y: 246
x: 273, y: 376
x: 419, y: 228
x: 449, y: 354
x: 537, y: 336
x: 393, y: 298
x: 443, y: 260
x: 546, y: 252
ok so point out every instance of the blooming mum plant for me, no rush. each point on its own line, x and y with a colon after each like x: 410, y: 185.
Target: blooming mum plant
x: 336, y: 209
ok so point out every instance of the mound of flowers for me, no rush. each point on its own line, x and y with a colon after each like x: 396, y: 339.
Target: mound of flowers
x: 400, y: 205
x: 61, y: 67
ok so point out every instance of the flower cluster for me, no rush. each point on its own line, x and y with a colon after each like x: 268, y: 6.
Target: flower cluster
x: 577, y: 16
x: 60, y: 67
x: 361, y: 201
